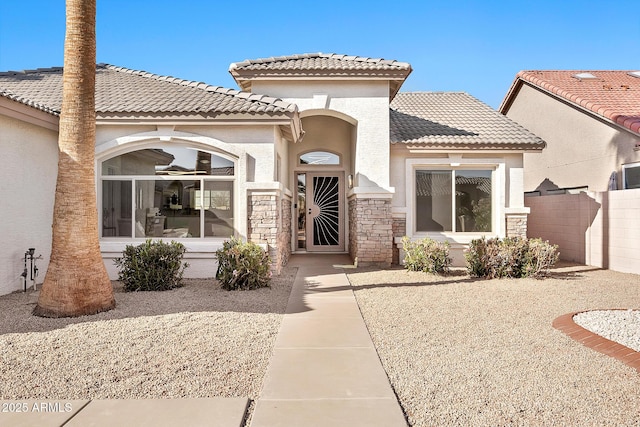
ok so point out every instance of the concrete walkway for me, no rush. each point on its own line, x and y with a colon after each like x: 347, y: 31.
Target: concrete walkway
x: 217, y: 411
x: 325, y: 370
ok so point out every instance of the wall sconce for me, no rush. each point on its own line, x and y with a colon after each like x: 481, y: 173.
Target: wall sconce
x: 350, y: 181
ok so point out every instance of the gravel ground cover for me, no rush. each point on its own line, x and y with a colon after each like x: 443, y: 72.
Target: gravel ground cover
x: 621, y: 326
x: 463, y: 351
x: 194, y: 341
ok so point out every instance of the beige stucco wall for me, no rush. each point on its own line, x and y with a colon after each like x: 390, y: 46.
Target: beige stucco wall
x: 365, y: 104
x: 508, y: 179
x: 582, y: 150
x: 257, y: 142
x: 29, y: 170
x: 252, y: 146
x: 595, y: 228
x: 324, y: 133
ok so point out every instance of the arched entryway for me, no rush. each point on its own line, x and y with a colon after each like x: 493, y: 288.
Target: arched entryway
x: 322, y: 166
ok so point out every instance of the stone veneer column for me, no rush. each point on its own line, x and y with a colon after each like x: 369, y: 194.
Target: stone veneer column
x: 370, y: 231
x: 269, y: 222
x: 516, y: 225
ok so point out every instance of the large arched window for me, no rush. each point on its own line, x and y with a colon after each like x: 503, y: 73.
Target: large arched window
x: 176, y: 192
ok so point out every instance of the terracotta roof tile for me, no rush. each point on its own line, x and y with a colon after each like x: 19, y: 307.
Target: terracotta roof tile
x: 122, y: 90
x: 614, y: 95
x: 454, y: 119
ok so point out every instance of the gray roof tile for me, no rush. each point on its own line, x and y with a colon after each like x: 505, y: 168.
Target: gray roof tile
x: 454, y: 119
x: 320, y: 65
x: 309, y: 62
x: 124, y: 91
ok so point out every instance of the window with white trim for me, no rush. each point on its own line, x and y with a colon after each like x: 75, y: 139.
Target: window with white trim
x: 631, y: 175
x: 177, y: 192
x: 453, y: 200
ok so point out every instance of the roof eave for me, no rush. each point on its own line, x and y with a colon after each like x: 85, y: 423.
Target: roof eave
x: 26, y: 112
x: 511, y: 94
x: 289, y: 122
x: 245, y: 78
x: 485, y: 147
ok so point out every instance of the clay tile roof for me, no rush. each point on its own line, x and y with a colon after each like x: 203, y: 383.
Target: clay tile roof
x: 26, y: 101
x: 321, y: 62
x: 454, y: 120
x: 120, y: 90
x: 319, y: 65
x: 613, y: 95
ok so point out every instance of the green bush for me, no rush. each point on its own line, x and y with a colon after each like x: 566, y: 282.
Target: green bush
x: 426, y: 255
x: 242, y: 265
x: 510, y: 257
x: 151, y: 266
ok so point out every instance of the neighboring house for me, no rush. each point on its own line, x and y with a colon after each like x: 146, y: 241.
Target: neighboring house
x: 315, y: 153
x: 591, y: 123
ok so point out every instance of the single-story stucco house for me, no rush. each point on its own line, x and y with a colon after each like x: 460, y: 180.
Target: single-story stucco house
x: 314, y: 153
x: 584, y: 189
x: 590, y: 121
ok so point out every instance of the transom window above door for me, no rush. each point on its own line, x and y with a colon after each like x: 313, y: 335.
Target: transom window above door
x: 319, y: 158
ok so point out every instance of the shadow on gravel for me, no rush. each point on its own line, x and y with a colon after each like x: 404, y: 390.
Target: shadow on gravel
x: 468, y: 279
x: 571, y: 275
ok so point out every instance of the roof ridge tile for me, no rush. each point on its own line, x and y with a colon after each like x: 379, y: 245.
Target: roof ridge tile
x: 342, y: 57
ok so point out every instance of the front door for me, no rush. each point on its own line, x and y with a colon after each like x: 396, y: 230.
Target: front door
x: 321, y: 211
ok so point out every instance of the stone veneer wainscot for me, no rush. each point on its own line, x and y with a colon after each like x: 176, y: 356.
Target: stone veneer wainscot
x: 370, y: 231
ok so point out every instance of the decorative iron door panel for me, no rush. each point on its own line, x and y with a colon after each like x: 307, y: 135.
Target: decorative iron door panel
x: 325, y: 215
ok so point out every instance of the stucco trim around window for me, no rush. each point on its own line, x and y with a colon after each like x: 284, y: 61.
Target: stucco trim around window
x: 498, y: 179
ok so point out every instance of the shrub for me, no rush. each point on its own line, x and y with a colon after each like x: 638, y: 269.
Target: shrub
x: 426, y: 255
x: 541, y: 257
x: 242, y: 265
x: 510, y: 257
x: 151, y: 266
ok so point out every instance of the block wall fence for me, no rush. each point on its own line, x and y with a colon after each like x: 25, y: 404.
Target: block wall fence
x: 601, y: 229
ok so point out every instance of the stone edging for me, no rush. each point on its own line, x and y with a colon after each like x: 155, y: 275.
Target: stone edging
x: 596, y: 342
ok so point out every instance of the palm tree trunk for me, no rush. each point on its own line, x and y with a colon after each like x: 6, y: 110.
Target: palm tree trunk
x: 76, y: 282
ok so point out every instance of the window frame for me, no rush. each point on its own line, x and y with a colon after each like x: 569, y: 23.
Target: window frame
x: 132, y: 179
x: 624, y: 174
x: 497, y: 166
x: 453, y: 205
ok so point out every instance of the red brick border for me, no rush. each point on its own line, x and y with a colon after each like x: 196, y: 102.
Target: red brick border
x: 596, y: 342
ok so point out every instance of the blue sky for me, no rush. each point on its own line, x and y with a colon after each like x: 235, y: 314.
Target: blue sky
x: 472, y: 46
